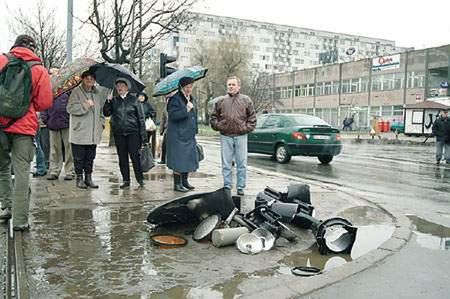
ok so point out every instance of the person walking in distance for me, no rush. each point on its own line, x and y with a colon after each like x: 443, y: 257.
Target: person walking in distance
x: 17, y: 135
x: 441, y: 129
x: 234, y: 116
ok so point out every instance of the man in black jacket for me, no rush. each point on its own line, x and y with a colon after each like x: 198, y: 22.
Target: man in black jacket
x: 128, y: 127
x: 441, y: 129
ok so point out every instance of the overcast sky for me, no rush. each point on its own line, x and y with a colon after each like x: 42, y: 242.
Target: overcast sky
x: 419, y: 24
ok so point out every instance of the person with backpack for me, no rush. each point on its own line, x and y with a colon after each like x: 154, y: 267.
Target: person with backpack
x: 25, y: 89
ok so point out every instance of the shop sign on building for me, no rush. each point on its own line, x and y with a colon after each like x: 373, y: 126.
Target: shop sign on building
x: 386, y: 63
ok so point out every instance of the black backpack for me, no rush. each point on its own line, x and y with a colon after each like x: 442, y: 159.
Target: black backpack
x: 15, y: 88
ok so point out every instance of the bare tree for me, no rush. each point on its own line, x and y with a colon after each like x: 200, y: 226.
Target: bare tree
x: 127, y: 29
x: 41, y: 25
x: 260, y: 90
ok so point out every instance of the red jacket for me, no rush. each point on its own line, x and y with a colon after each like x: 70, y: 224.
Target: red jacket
x: 41, y: 94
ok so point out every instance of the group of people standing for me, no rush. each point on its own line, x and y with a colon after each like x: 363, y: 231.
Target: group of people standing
x: 76, y: 120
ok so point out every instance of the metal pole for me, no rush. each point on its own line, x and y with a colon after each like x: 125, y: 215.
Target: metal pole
x: 69, y: 30
x: 140, y: 39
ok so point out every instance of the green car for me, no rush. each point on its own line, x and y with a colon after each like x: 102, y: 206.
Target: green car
x: 287, y: 135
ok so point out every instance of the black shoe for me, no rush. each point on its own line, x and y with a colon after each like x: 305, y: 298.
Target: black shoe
x: 141, y: 184
x: 5, y: 214
x: 180, y: 188
x: 22, y: 227
x: 68, y: 177
x: 80, y: 183
x: 88, y: 181
x: 184, y: 181
x: 125, y: 184
x: 52, y: 177
x: 36, y: 174
x: 438, y: 162
x: 177, y: 185
x: 240, y: 192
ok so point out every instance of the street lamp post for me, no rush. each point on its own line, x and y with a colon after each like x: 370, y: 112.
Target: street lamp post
x: 69, y: 30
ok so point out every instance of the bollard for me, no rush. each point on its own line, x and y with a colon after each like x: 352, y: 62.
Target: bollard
x: 227, y: 236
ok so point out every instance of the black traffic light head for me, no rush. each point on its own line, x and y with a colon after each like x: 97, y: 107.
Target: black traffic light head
x: 164, y: 70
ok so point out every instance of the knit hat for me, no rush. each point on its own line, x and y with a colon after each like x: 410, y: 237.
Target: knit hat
x: 186, y: 81
x: 143, y: 94
x: 26, y: 41
x: 124, y: 80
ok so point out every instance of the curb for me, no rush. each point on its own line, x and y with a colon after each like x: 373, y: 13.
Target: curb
x: 291, y: 288
x: 387, y: 141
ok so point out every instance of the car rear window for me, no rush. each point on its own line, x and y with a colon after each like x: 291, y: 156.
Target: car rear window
x: 308, y: 120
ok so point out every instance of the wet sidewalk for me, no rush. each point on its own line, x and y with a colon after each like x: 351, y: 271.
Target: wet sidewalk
x: 363, y: 136
x: 95, y: 243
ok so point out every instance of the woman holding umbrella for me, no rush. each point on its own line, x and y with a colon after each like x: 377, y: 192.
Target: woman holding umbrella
x: 86, y: 126
x: 128, y: 127
x: 182, y: 155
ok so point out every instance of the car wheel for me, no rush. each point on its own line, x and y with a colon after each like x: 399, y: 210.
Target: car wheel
x: 325, y: 159
x: 282, y: 155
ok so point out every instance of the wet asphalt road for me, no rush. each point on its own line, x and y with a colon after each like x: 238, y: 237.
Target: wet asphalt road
x: 402, y: 177
x: 406, y: 177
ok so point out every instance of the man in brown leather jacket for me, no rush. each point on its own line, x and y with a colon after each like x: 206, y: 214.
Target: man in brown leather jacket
x: 234, y: 116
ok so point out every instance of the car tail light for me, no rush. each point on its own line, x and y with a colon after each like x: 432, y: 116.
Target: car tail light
x: 299, y: 136
x: 338, y: 137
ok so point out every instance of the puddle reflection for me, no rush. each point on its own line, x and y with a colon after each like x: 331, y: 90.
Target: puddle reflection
x: 431, y: 235
x: 107, y: 252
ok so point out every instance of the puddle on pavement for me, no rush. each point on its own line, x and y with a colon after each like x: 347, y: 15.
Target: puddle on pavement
x: 431, y: 235
x: 365, y: 215
x: 106, y: 251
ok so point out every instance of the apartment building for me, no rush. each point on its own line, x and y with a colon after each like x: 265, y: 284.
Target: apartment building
x: 276, y: 48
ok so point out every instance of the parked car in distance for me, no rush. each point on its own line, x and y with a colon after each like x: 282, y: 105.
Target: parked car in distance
x: 283, y: 135
x: 397, y: 127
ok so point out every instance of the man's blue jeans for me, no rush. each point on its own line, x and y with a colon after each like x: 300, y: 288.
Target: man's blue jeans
x: 440, y: 145
x: 234, y: 148
x: 41, y: 165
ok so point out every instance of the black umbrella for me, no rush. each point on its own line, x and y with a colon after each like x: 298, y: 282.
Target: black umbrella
x: 107, y: 73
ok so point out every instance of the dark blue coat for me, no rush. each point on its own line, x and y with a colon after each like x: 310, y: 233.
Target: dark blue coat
x: 56, y: 117
x: 181, y: 129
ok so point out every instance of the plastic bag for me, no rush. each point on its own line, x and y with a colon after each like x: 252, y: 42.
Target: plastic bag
x: 146, y: 158
x: 150, y: 124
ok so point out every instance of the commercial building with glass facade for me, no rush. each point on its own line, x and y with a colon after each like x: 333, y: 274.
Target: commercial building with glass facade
x: 380, y: 86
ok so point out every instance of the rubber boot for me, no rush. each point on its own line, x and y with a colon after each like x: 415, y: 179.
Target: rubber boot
x: 177, y: 184
x: 88, y: 181
x: 80, y: 183
x: 184, y: 180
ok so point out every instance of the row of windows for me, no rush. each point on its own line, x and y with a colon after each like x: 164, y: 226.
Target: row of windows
x: 356, y: 85
x: 335, y: 116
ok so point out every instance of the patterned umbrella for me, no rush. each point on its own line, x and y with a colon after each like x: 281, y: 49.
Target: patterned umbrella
x: 171, y: 82
x: 69, y: 76
x: 107, y: 73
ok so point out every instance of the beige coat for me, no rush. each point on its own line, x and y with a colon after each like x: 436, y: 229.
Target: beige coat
x: 86, y: 123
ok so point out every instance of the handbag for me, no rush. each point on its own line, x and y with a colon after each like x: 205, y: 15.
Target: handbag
x: 146, y: 158
x: 200, y: 153
x: 150, y: 124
